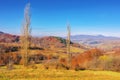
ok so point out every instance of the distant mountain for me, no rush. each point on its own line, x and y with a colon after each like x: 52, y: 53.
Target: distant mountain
x: 8, y: 38
x: 91, y: 37
x: 1, y: 32
x: 100, y: 41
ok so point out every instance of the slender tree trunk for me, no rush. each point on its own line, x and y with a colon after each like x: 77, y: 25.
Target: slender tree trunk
x: 26, y: 35
x: 68, y: 46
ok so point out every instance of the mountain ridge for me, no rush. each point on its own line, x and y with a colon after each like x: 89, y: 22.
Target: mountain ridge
x: 93, y: 37
x: 43, y: 42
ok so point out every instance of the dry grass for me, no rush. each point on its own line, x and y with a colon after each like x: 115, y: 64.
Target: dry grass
x: 76, y: 50
x: 21, y: 73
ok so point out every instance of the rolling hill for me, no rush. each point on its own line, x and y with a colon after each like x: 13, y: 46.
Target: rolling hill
x: 99, y: 41
x: 8, y: 38
x: 43, y: 42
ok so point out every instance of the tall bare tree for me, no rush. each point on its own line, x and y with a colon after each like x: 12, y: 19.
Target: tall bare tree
x: 26, y: 35
x: 68, y: 45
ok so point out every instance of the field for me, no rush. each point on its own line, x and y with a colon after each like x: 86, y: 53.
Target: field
x: 22, y: 73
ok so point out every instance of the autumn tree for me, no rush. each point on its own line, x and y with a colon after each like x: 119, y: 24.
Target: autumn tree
x: 26, y: 35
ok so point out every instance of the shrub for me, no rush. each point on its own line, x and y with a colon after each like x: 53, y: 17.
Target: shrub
x: 115, y: 63
x: 105, y: 62
x: 52, y: 64
x: 81, y: 60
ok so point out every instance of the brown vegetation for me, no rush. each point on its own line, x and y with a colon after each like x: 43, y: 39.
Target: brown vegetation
x: 49, y: 51
x: 5, y: 58
x: 82, y: 59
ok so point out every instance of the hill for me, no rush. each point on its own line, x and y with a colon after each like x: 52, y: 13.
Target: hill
x: 43, y: 42
x: 97, y: 37
x: 99, y: 41
x: 8, y: 38
x: 54, y: 42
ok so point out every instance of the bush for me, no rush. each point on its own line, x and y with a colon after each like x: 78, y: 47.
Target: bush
x: 105, y: 62
x: 82, y: 60
x: 51, y: 64
x: 115, y: 63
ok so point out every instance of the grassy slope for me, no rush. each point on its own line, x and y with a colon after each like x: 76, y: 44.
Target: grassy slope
x: 21, y: 73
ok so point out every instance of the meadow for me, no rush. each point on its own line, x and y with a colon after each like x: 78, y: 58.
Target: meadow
x: 22, y: 73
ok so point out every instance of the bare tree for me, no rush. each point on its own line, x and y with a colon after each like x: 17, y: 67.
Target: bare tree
x: 68, y: 45
x: 26, y: 35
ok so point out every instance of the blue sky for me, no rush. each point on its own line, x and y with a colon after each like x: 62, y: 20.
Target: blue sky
x: 50, y: 17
